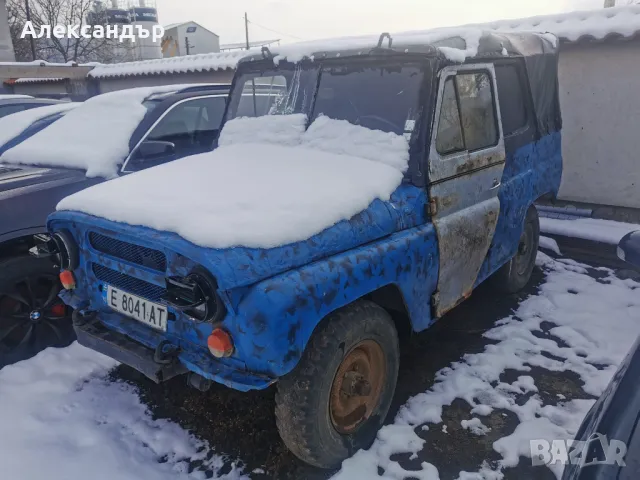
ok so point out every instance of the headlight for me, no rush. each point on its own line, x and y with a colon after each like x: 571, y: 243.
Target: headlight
x: 196, y: 295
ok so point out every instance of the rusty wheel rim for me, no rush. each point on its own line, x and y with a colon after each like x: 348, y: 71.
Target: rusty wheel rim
x: 357, y: 386
x: 525, y: 250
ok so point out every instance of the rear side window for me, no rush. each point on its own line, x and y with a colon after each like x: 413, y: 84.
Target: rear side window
x: 9, y: 109
x: 511, y: 97
x: 467, y: 116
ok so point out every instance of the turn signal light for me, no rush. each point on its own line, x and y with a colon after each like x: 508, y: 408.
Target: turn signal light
x: 67, y: 279
x: 220, y: 344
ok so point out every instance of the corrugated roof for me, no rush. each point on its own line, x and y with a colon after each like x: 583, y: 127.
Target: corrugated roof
x: 203, y: 62
x: 601, y: 24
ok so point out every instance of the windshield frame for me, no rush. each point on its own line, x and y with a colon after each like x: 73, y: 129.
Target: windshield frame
x: 418, y: 141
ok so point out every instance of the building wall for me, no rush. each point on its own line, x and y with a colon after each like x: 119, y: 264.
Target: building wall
x: 6, y: 47
x: 600, y: 99
x: 119, y: 83
x: 44, y: 88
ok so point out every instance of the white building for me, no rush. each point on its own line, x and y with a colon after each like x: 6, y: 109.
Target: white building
x: 188, y: 38
x: 599, y: 75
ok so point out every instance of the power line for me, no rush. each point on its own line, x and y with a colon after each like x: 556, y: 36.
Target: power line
x: 274, y: 31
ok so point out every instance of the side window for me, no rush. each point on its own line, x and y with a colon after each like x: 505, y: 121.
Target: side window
x: 467, y: 115
x: 477, y: 110
x: 191, y: 127
x: 449, y: 137
x: 511, y: 97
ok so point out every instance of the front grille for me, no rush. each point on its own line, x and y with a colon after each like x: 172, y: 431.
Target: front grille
x: 130, y: 284
x: 143, y: 256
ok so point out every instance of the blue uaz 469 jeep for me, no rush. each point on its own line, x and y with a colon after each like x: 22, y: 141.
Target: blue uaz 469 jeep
x: 374, y: 188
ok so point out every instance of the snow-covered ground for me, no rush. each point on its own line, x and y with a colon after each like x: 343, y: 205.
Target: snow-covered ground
x: 62, y: 418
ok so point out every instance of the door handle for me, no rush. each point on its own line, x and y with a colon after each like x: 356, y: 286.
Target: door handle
x: 496, y: 184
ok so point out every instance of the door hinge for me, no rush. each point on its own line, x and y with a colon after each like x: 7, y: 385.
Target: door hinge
x: 432, y: 207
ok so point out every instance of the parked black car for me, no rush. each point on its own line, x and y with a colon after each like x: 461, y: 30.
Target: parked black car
x: 12, y: 104
x: 616, y: 414
x: 31, y: 315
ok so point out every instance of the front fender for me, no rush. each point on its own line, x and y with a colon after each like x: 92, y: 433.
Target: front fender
x: 275, y: 318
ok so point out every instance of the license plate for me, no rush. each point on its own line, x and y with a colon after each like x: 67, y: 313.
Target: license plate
x: 138, y: 308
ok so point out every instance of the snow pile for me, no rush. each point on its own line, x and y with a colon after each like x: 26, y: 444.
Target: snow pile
x: 202, y: 62
x: 272, y: 129
x: 325, y: 134
x: 605, y: 231
x: 340, y: 136
x: 596, y: 319
x: 13, y: 125
x: 600, y: 23
x: 10, y: 96
x: 93, y: 137
x: 38, y: 80
x: 547, y: 243
x: 63, y: 420
x: 253, y: 195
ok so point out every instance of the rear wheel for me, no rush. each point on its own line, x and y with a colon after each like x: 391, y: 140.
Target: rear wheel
x: 515, y: 275
x: 336, y: 399
x: 32, y: 317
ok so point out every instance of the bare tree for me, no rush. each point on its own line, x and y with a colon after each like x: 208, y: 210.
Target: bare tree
x: 62, y: 12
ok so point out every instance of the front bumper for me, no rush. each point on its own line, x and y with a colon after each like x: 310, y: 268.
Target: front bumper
x: 95, y: 335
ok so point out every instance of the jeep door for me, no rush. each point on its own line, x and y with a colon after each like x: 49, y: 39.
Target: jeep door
x: 466, y: 161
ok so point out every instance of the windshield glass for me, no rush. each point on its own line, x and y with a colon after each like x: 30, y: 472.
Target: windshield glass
x: 376, y: 96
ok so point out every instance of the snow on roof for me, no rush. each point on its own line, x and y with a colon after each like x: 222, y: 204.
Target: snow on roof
x: 11, y: 96
x: 471, y: 35
x: 93, y: 137
x: 203, y: 62
x: 37, y: 80
x: 575, y: 26
x: 257, y: 194
x: 13, y: 125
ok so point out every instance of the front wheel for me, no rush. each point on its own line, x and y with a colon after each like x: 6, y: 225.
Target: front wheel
x: 32, y: 317
x: 337, y: 397
x: 515, y: 275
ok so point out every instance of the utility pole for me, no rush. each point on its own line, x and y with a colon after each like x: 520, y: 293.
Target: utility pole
x: 32, y: 41
x: 246, y: 28
x: 187, y: 45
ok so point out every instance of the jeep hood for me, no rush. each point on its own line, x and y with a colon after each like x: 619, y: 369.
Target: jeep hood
x: 258, y: 195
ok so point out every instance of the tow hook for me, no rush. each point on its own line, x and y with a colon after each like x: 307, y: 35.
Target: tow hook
x: 165, y: 353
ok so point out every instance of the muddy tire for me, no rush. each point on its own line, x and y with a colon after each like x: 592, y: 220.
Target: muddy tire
x: 337, y: 397
x: 32, y: 317
x: 516, y: 273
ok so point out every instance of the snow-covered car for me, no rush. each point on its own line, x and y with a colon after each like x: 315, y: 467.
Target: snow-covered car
x: 386, y: 179
x: 25, y: 124
x: 107, y: 136
x: 629, y: 249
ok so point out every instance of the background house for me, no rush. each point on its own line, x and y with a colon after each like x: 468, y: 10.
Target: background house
x: 188, y: 38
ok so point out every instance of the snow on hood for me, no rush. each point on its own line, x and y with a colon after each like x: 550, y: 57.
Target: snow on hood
x: 93, y: 137
x: 13, y: 125
x: 249, y: 194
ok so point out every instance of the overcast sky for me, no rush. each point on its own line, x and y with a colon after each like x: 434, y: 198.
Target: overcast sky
x: 315, y: 19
